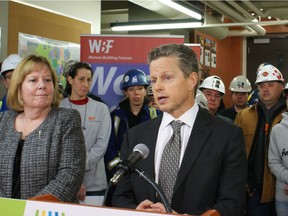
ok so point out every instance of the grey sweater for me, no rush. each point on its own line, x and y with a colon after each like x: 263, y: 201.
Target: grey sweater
x: 278, y: 156
x: 53, y: 156
x: 95, y: 117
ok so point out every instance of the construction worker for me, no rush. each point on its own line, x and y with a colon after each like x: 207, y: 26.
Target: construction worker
x: 201, y: 100
x: 151, y: 98
x: 7, y: 68
x: 254, y: 95
x: 256, y: 122
x: 214, y: 89
x: 131, y: 111
x: 240, y: 88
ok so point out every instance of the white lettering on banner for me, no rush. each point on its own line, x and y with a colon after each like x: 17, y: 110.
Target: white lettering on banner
x: 98, y: 46
x: 116, y: 86
x: 102, y: 86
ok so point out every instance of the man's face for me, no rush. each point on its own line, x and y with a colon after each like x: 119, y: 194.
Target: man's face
x: 213, y: 98
x: 173, y: 92
x: 7, y: 79
x: 270, y: 92
x: 240, y: 99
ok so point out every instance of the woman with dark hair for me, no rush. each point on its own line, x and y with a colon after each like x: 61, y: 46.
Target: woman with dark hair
x: 96, y: 126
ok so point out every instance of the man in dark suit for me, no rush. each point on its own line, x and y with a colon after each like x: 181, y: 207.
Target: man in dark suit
x: 212, y: 167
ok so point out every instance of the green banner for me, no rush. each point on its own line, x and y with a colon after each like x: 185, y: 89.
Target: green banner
x: 15, y: 208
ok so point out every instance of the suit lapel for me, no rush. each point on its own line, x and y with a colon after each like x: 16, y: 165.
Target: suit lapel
x: 151, y: 139
x: 199, y: 135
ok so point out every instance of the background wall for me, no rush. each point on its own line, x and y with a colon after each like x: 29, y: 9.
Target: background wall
x: 273, y: 51
x: 83, y: 10
x: 16, y: 17
x: 229, y: 61
x: 29, y: 20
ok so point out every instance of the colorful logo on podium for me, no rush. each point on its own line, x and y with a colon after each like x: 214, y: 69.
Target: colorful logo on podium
x: 48, y: 213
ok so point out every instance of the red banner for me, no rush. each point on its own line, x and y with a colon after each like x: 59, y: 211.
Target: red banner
x: 112, y: 56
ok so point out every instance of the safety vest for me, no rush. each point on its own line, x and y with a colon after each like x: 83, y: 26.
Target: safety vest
x: 152, y: 114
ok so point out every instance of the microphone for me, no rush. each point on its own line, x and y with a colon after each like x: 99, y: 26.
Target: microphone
x: 140, y: 151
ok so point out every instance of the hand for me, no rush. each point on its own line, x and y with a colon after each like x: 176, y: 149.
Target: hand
x: 286, y: 189
x: 149, y: 206
x: 82, y: 193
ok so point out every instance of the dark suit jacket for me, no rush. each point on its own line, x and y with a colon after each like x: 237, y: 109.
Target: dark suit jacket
x: 212, y: 174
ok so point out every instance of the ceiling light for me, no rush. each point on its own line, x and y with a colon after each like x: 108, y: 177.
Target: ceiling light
x: 182, y: 9
x: 156, y: 25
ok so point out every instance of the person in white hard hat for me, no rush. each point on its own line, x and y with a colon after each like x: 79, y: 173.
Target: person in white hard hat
x: 214, y: 89
x: 256, y: 122
x: 151, y: 98
x: 253, y: 97
x: 240, y: 88
x: 201, y: 100
x: 7, y: 68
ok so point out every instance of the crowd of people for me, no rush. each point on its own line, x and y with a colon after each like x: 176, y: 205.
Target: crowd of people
x: 63, y: 144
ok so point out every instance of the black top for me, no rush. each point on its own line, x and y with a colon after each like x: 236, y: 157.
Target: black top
x: 16, y: 189
x: 229, y: 113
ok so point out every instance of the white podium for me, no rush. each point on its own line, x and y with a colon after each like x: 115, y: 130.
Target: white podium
x: 15, y: 207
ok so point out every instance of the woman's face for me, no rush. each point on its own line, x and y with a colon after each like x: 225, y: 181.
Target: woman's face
x: 37, y: 89
x: 80, y: 84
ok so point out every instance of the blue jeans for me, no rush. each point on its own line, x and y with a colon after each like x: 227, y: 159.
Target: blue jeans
x: 255, y: 208
x: 281, y: 208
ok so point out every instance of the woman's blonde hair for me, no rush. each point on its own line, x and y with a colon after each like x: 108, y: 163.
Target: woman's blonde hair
x: 25, y: 67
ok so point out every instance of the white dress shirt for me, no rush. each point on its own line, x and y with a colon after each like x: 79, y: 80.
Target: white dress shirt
x: 166, y: 131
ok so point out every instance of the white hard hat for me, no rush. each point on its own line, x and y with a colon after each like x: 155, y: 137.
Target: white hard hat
x: 269, y: 73
x: 201, y: 100
x: 214, y: 83
x: 149, y: 90
x: 260, y: 66
x: 240, y: 84
x: 10, y: 63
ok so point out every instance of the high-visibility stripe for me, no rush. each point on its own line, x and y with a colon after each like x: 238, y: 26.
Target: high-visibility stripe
x: 113, y: 163
x: 116, y: 124
x: 153, y: 112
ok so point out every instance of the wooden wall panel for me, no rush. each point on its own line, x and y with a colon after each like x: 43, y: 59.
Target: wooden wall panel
x: 34, y: 21
x: 229, y: 61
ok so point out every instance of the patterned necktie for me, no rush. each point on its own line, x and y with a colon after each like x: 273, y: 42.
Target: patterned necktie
x: 169, y: 165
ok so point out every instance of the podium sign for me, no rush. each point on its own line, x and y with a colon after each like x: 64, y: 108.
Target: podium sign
x: 14, y: 207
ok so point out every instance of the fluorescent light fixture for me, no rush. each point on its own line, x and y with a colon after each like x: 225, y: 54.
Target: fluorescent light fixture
x: 181, y: 8
x: 156, y: 25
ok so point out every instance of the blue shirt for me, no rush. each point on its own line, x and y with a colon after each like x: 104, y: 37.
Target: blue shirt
x: 4, y: 106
